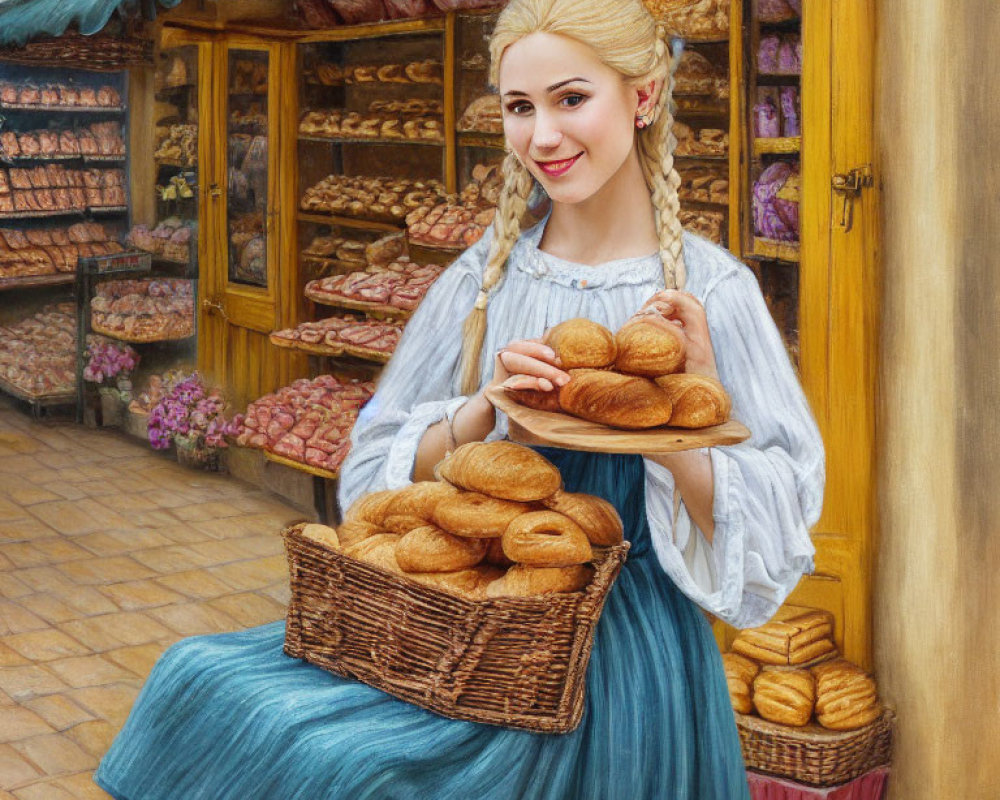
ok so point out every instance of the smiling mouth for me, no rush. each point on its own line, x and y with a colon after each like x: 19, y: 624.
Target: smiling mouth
x: 556, y: 168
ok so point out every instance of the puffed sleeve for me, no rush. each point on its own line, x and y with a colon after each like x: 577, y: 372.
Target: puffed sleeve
x: 418, y: 386
x: 768, y: 489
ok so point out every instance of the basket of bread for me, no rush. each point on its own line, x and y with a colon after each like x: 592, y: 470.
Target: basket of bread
x: 803, y: 711
x: 474, y: 596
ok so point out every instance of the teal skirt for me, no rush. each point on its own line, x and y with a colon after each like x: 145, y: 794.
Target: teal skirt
x: 230, y: 717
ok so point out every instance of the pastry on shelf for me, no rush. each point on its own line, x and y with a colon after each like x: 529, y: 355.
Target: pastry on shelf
x: 482, y: 115
x: 692, y: 19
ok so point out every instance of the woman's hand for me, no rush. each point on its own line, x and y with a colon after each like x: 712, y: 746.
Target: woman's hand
x: 685, y: 311
x: 528, y: 364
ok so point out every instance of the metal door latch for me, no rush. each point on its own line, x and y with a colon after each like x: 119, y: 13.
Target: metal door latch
x: 850, y: 185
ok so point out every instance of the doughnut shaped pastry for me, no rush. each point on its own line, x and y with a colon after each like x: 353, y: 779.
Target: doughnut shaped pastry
x: 370, y: 507
x: 546, y: 539
x: 595, y: 515
x: 352, y: 531
x: 698, y: 400
x: 322, y: 534
x: 419, y: 499
x: 621, y: 401
x: 379, y: 550
x: 430, y: 549
x: 471, y: 583
x: 477, y: 515
x: 524, y: 581
x: 580, y: 342
x: 501, y: 469
x: 649, y: 345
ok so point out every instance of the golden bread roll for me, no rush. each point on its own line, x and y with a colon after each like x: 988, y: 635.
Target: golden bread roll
x: 846, y: 696
x: 698, y: 400
x: 621, y: 401
x: 797, y: 640
x: 430, y: 549
x: 595, y: 515
x: 419, y: 499
x: 379, y: 550
x: 322, y: 534
x: 402, y: 523
x: 545, y: 539
x: 353, y: 531
x: 468, y: 583
x: 370, y: 507
x: 785, y: 696
x: 580, y: 342
x: 477, y: 515
x: 649, y: 345
x: 524, y: 581
x: 495, y: 554
x: 536, y: 398
x: 501, y: 469
x: 740, y: 672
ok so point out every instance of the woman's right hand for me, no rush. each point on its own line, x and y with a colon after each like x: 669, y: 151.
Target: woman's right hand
x: 528, y: 364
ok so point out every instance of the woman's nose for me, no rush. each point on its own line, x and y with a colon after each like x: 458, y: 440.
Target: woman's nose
x: 546, y: 134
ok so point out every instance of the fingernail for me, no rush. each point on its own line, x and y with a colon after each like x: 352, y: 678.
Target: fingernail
x: 562, y: 380
x: 545, y: 384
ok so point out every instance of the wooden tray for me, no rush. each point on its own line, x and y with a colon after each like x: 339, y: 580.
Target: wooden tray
x: 301, y: 466
x: 531, y: 426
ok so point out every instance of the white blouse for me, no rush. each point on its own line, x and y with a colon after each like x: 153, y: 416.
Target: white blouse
x: 768, y: 489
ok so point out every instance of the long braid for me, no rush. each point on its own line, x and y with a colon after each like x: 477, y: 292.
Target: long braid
x: 656, y: 152
x: 511, y: 206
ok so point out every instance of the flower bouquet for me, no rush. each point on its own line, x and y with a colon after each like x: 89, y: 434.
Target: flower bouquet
x: 195, y: 420
x: 110, y: 365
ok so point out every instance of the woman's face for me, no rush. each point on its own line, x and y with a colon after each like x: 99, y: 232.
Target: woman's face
x: 569, y: 117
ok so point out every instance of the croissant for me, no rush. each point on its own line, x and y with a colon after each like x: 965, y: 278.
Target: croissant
x: 580, y: 342
x: 595, y: 515
x: 536, y: 398
x: 621, y: 401
x: 477, y: 515
x: 545, y: 539
x: 524, y: 581
x: 649, y: 345
x: 698, y: 400
x: 501, y: 469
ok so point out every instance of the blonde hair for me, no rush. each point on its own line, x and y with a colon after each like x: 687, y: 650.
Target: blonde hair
x: 625, y: 38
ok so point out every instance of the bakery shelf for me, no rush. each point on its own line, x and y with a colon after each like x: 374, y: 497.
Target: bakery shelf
x: 373, y: 140
x: 332, y: 351
x: 57, y: 399
x: 356, y: 305
x: 137, y: 339
x: 15, y: 160
x: 319, y: 472
x: 772, y: 248
x: 686, y: 157
x: 778, y: 78
x: 169, y: 262
x: 713, y: 205
x: 481, y: 139
x: 174, y: 163
x: 49, y: 279
x: 108, y: 209
x: 374, y: 30
x: 74, y: 212
x: 73, y: 109
x: 783, y: 145
x: 351, y: 222
x: 103, y: 159
x: 171, y: 91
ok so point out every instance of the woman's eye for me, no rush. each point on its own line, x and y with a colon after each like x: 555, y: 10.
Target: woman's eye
x: 519, y: 108
x: 573, y: 100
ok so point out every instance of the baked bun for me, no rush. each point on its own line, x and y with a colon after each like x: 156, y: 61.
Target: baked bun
x: 370, y: 507
x: 580, y: 342
x: 545, y: 539
x: 501, y: 469
x: 797, y: 640
x: 740, y: 673
x: 785, y: 696
x: 621, y: 401
x: 402, y: 523
x: 536, y: 398
x: 595, y: 515
x: 524, y: 581
x: 430, y: 549
x: 649, y: 345
x: 495, y: 554
x: 419, y: 499
x: 477, y: 515
x: 468, y: 583
x: 322, y: 534
x: 698, y: 400
x: 846, y: 697
x: 379, y: 550
x: 352, y: 531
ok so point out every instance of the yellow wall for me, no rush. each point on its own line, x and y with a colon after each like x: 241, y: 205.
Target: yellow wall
x: 937, y: 593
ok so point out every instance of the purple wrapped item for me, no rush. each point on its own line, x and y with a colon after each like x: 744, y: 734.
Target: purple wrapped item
x: 355, y: 11
x: 790, y: 111
x: 458, y: 5
x: 767, y: 222
x: 790, y: 55
x: 403, y: 9
x: 765, y: 115
x: 796, y: 6
x: 870, y: 786
x: 767, y: 55
x: 775, y: 11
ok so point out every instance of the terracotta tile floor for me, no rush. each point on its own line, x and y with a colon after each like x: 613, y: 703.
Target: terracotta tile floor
x: 110, y: 552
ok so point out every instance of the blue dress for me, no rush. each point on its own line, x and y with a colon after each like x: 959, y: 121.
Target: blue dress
x: 230, y: 717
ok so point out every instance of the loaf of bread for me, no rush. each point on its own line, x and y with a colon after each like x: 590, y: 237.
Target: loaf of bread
x: 352, y: 531
x: 649, y: 345
x: 430, y: 549
x: 611, y: 398
x: 537, y: 399
x: 370, y: 508
x: 546, y: 539
x: 740, y: 673
x: 846, y: 696
x: 579, y: 342
x: 784, y: 695
x: 597, y: 518
x: 402, y: 523
x: 322, y: 534
x: 803, y: 639
x: 501, y: 469
x: 524, y: 581
x: 471, y: 584
x: 477, y: 515
x: 418, y: 499
x: 698, y: 400
x: 379, y: 550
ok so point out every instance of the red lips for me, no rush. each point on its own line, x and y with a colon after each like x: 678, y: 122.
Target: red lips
x: 557, y: 168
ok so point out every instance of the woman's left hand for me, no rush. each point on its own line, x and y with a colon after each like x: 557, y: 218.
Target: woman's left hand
x: 685, y: 311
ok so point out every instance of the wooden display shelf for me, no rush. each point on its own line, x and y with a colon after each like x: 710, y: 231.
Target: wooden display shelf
x: 319, y: 472
x: 374, y: 30
x: 778, y: 78
x: 351, y: 222
x: 75, y: 212
x: 356, y: 305
x: 15, y: 160
x: 701, y: 157
x: 782, y: 145
x: 27, y: 281
x: 75, y: 109
x: 121, y: 337
x: 103, y: 159
x: 772, y: 248
x: 371, y: 140
x: 174, y: 163
x: 332, y: 351
x: 107, y: 209
x: 481, y: 139
x: 56, y: 399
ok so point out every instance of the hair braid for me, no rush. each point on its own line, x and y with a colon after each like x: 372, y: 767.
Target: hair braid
x: 511, y: 206
x: 656, y: 151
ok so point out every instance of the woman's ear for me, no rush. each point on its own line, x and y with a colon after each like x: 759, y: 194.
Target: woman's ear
x: 648, y: 94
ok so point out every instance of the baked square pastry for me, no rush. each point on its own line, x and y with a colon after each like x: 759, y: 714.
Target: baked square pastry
x: 802, y: 639
x: 785, y: 696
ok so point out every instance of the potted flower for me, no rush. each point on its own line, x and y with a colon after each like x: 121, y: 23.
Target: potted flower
x: 195, y: 420
x: 110, y: 365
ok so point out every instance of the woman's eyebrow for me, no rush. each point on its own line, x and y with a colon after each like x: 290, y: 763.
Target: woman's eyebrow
x: 552, y: 88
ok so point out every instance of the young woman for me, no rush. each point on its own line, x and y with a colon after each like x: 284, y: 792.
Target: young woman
x: 585, y: 91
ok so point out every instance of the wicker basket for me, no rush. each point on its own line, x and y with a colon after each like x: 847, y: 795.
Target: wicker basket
x: 518, y: 662
x: 814, y: 755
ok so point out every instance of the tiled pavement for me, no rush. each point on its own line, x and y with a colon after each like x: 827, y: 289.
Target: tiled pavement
x: 110, y: 552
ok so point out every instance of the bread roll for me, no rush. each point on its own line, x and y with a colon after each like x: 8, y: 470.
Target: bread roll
x: 649, y: 345
x: 379, y: 550
x: 846, y: 696
x: 322, y: 534
x: 740, y: 674
x: 580, y: 342
x: 698, y: 400
x: 785, y: 696
x: 545, y: 539
x: 370, y: 507
x: 501, y: 469
x: 419, y: 499
x: 352, y: 531
x: 477, y: 515
x: 402, y: 523
x: 536, y: 398
x: 796, y: 640
x: 595, y: 515
x: 471, y: 584
x: 430, y: 549
x: 524, y: 581
x: 495, y: 554
x: 621, y: 401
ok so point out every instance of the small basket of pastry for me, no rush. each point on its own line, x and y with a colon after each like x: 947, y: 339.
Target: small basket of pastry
x: 803, y: 712
x: 475, y: 595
